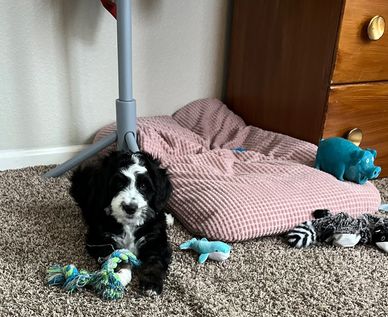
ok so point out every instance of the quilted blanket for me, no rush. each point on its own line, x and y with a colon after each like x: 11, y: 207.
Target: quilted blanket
x: 236, y: 182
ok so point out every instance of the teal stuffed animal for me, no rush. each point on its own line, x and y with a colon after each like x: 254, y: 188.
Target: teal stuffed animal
x: 105, y: 282
x: 214, y: 250
x: 346, y: 161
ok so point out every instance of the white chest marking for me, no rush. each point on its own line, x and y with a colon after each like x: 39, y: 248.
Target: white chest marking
x: 127, y: 239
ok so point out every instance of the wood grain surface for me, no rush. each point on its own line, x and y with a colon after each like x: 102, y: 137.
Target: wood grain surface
x: 363, y: 106
x: 360, y: 59
x: 280, y: 63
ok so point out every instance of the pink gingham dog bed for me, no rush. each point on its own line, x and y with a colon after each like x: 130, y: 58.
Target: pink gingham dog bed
x: 232, y: 196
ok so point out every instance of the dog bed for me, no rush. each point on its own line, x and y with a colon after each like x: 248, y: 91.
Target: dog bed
x: 235, y: 182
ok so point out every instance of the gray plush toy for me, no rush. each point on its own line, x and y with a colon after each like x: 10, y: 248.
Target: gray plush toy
x: 340, y: 230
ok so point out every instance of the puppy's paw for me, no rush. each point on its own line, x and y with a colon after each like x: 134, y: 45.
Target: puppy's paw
x: 151, y: 293
x: 151, y: 289
x: 125, y: 276
x: 169, y: 220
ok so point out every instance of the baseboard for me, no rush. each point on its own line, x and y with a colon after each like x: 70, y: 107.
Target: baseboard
x: 14, y: 159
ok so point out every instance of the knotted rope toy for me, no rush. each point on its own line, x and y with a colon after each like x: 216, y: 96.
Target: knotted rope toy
x: 105, y: 282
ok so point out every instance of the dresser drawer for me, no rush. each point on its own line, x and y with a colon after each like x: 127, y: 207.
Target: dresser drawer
x: 363, y: 106
x: 358, y: 58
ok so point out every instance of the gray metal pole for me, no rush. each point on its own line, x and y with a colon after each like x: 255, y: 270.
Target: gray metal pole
x: 124, y: 48
x: 125, y: 104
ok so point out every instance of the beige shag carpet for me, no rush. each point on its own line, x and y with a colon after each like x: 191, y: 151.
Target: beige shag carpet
x: 40, y: 225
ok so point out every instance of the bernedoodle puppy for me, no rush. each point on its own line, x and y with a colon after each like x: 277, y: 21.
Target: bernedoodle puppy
x: 122, y: 197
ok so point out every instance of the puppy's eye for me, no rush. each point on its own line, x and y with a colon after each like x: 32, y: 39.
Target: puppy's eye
x: 119, y: 180
x: 143, y: 187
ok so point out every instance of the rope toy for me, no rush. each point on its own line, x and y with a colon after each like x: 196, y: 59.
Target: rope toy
x: 105, y: 282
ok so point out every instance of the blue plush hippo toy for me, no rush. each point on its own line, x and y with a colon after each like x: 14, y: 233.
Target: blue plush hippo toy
x: 346, y: 161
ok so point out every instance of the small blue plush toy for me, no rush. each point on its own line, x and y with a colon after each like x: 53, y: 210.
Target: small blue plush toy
x: 346, y: 161
x: 214, y: 250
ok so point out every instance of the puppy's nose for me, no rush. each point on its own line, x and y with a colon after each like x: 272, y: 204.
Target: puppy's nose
x: 130, y: 208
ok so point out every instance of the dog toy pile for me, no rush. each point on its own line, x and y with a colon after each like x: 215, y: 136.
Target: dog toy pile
x: 346, y: 161
x: 340, y: 230
x: 105, y: 282
x: 214, y: 250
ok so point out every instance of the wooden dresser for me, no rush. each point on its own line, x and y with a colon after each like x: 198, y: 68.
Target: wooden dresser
x: 312, y: 69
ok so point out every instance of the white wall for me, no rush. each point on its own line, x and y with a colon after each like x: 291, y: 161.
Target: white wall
x: 58, y: 68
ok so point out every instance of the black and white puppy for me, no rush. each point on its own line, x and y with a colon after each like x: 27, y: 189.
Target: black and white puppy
x: 122, y: 197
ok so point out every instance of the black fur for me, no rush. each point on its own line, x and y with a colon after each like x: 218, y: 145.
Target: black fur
x: 94, y: 185
x: 321, y: 213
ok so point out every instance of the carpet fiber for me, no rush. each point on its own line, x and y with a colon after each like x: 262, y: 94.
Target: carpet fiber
x: 40, y: 226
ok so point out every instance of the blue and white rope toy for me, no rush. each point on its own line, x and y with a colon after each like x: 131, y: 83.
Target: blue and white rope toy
x: 105, y: 282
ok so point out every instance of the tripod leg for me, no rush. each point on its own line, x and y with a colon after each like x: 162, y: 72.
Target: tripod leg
x: 130, y: 140
x: 82, y: 156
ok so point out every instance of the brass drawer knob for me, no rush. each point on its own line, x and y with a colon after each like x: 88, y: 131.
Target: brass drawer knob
x: 355, y: 136
x: 376, y: 28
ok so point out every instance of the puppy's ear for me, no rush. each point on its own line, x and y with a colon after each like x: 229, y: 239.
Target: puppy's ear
x: 160, y: 179
x: 90, y: 184
x: 164, y: 189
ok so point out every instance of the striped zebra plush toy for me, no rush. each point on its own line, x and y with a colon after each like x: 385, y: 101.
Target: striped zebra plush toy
x: 340, y: 230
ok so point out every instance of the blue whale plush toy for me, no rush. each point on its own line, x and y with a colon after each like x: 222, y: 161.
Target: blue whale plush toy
x: 346, y: 161
x: 214, y: 250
